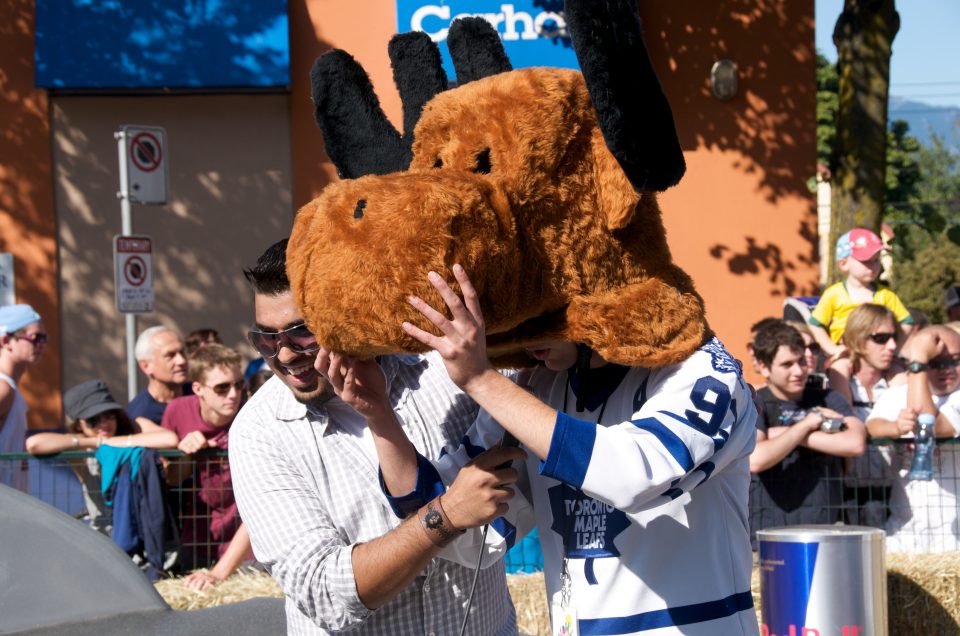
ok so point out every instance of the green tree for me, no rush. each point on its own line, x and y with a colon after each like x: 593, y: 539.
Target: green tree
x: 864, y: 36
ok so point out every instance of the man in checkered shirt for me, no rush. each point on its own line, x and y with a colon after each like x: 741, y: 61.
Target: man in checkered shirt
x: 305, y: 475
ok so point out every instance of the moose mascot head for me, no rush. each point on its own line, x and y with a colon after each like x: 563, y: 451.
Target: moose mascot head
x: 541, y: 182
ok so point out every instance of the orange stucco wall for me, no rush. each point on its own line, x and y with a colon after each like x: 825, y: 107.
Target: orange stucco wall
x: 742, y: 221
x: 27, y: 225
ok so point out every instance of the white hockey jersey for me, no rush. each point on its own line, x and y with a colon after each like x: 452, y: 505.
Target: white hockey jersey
x: 648, y: 506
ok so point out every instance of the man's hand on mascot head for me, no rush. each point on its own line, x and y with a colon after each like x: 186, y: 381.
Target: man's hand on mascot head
x: 360, y: 383
x: 463, y: 343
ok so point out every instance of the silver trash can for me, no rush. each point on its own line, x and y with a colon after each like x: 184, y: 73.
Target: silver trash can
x: 823, y: 580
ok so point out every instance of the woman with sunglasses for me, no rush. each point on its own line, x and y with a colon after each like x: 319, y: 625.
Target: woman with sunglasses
x: 94, y: 420
x: 22, y: 340
x: 864, y: 372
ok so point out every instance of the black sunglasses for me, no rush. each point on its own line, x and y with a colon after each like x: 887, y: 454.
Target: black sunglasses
x: 942, y: 364
x: 224, y: 387
x: 99, y: 418
x: 38, y: 338
x: 813, y: 348
x: 882, y: 337
x: 298, y: 339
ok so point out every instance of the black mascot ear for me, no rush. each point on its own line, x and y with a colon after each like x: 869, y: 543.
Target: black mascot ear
x: 358, y: 137
x: 476, y: 50
x: 419, y: 76
x: 632, y: 110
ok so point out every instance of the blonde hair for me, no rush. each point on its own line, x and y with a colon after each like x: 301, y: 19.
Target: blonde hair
x: 207, y: 358
x: 864, y: 321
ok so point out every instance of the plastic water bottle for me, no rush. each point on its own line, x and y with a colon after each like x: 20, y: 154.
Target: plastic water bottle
x: 922, y: 468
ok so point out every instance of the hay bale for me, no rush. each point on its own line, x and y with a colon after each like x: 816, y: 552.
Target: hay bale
x: 529, y: 594
x: 244, y: 584
x: 923, y: 594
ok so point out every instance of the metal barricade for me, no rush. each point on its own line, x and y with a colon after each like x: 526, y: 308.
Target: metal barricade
x: 202, y: 501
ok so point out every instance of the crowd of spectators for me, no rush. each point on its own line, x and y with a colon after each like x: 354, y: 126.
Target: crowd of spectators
x: 843, y: 392
x: 840, y: 382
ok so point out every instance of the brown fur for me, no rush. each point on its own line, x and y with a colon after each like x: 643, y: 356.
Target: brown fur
x: 554, y: 238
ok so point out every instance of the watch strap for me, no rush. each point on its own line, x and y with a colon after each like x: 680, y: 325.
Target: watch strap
x: 434, y: 521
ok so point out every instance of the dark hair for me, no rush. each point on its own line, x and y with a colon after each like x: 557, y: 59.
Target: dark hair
x: 199, y: 337
x: 771, y: 337
x: 269, y: 275
x: 125, y: 426
x: 760, y: 324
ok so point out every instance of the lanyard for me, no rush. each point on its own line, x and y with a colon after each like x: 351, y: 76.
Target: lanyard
x: 566, y: 583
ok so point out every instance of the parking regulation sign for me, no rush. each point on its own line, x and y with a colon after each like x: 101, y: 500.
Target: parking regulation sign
x: 133, y: 274
x: 144, y: 151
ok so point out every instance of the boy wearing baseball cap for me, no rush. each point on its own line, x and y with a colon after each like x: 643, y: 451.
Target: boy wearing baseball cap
x: 858, y: 257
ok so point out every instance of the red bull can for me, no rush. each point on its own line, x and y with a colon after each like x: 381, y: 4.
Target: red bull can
x: 823, y: 580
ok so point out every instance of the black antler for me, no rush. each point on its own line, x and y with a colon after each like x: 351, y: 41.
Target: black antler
x: 476, y: 50
x: 418, y: 74
x: 632, y: 110
x: 359, y: 139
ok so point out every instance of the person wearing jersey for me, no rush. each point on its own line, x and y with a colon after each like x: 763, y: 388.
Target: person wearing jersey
x: 638, y: 477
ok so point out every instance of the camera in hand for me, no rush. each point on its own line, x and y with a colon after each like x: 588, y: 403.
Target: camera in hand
x: 831, y: 425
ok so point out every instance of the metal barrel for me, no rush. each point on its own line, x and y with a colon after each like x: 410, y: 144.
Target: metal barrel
x: 823, y: 580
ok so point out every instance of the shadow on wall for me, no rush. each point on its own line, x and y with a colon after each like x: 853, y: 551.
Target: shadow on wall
x: 768, y: 258
x: 770, y: 123
x: 229, y: 198
x: 27, y: 227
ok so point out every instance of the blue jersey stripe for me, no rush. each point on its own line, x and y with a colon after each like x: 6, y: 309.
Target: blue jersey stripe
x: 571, y: 448
x: 669, y: 617
x: 669, y: 439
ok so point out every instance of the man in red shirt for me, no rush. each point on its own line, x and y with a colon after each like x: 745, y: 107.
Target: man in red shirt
x: 203, y: 420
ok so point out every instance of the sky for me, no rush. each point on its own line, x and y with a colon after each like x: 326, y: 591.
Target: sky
x: 925, y: 65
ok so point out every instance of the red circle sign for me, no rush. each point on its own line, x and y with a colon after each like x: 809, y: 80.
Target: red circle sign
x: 135, y: 271
x: 145, y: 151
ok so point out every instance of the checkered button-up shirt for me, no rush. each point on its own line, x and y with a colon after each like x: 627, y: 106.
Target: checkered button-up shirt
x: 308, y: 494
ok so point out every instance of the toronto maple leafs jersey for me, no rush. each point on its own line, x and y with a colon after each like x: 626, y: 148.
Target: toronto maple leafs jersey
x: 648, y: 506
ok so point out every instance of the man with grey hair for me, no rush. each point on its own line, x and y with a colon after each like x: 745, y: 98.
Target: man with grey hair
x: 160, y: 354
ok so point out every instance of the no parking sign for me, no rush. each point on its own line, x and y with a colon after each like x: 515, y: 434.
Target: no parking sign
x: 143, y: 152
x: 133, y: 274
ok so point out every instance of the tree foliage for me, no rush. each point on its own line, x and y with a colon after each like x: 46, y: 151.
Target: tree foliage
x: 864, y: 36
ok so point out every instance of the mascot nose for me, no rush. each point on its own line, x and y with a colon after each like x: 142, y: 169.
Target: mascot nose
x: 358, y: 211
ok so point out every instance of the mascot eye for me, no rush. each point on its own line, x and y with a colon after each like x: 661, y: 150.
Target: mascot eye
x: 358, y: 211
x: 483, y: 162
x: 438, y: 163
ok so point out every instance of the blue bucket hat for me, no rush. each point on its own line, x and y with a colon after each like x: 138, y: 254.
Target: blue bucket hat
x: 15, y: 317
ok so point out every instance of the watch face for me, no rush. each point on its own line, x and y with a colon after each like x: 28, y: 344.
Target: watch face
x: 433, y: 519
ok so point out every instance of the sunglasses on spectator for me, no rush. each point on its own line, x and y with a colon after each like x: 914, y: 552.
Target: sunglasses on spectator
x: 882, y: 337
x: 101, y: 418
x: 37, y: 338
x: 942, y: 364
x: 298, y: 339
x: 813, y: 348
x: 224, y: 387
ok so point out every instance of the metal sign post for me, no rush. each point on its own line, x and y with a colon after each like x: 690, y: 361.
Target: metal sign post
x: 8, y: 293
x: 143, y: 162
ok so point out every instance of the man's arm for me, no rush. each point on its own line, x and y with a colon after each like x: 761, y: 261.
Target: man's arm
x: 692, y: 424
x: 926, y: 346
x: 771, y: 449
x: 851, y: 442
x: 7, y: 395
x: 337, y: 584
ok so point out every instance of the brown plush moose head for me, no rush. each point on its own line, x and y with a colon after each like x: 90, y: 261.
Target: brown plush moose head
x: 539, y: 181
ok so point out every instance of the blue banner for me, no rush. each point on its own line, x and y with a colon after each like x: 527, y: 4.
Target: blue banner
x: 157, y: 44
x: 533, y: 31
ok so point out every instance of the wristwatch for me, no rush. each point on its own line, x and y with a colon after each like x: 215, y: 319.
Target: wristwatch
x: 917, y: 367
